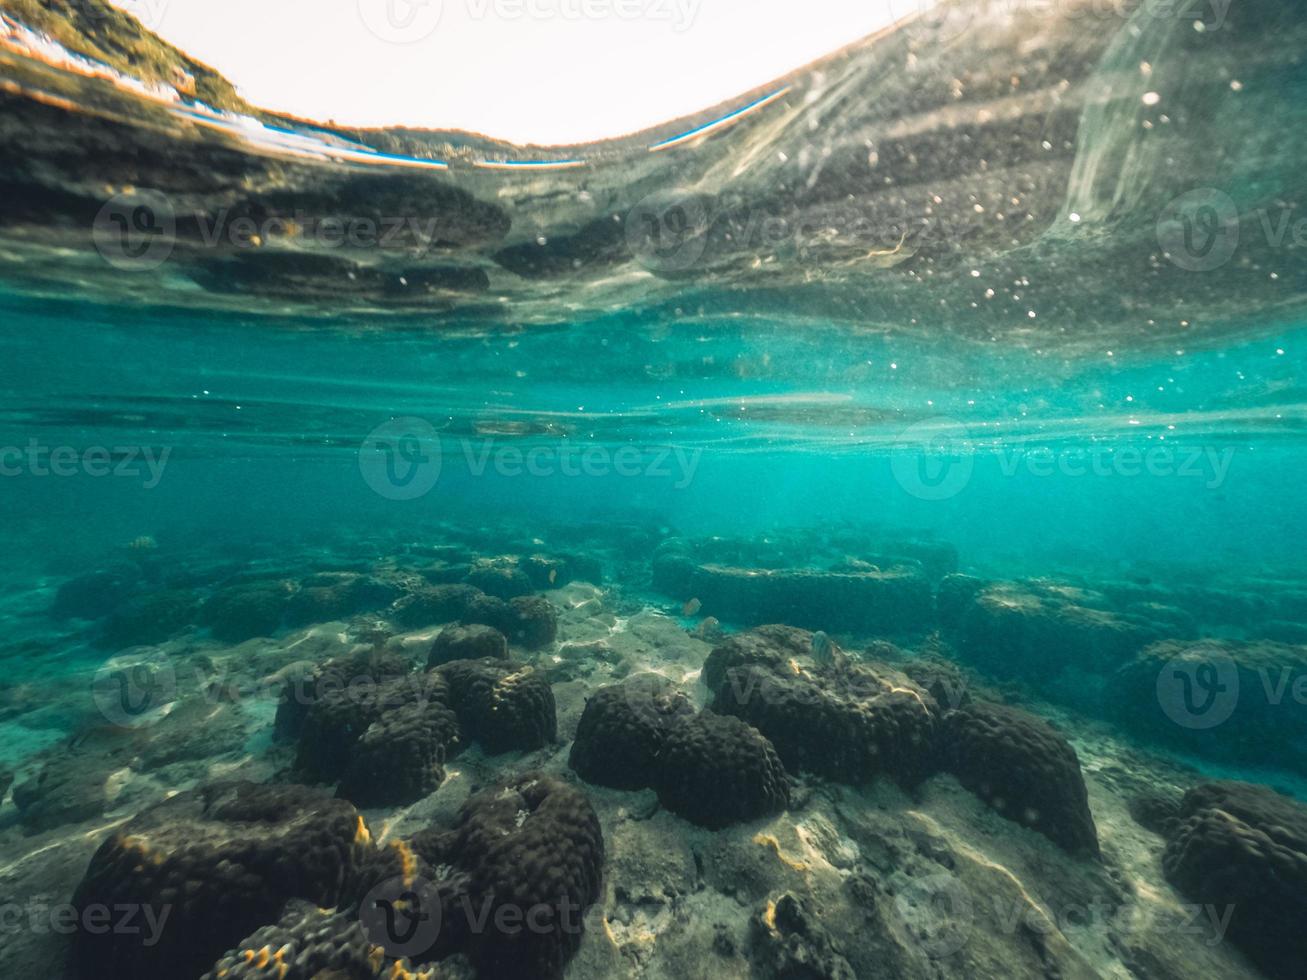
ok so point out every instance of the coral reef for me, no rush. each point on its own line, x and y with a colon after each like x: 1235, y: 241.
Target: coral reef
x: 476, y: 642
x: 532, y: 851
x: 501, y: 706
x: 622, y: 731
x: 1035, y: 632
x: 400, y: 756
x: 1243, y: 849
x: 310, y: 943
x: 149, y: 619
x: 219, y: 862
x: 241, y: 612
x: 847, y: 722
x: 716, y: 770
x: 893, y: 600
x: 1024, y: 768
x: 1222, y: 699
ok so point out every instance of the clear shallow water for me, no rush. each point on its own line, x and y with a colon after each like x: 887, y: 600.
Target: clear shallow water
x: 712, y: 426
x: 1028, y: 308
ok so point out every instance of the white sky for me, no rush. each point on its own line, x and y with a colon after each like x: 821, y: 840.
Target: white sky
x: 545, y: 71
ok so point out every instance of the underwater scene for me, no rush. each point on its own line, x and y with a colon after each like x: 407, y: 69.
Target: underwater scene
x: 854, y: 531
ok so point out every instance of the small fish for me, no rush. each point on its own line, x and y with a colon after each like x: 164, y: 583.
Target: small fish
x: 826, y: 651
x: 143, y: 543
x: 710, y: 630
x: 691, y: 608
x: 553, y: 576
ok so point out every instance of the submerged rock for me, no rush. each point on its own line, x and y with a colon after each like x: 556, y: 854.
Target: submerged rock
x: 849, y: 723
x: 1024, y: 768
x: 241, y: 612
x: 149, y: 619
x: 1242, y: 849
x: 502, y: 582
x: 67, y: 789
x: 1037, y: 632
x: 311, y: 943
x: 623, y: 729
x: 97, y: 593
x: 532, y: 846
x: 436, y: 604
x: 1226, y: 700
x: 715, y: 770
x: 331, y: 596
x: 789, y: 942
x: 218, y: 862
x: 894, y: 600
x: 474, y: 642
x: 502, y: 706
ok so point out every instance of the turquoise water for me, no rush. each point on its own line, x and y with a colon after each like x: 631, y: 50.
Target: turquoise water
x: 972, y: 356
x: 1022, y: 460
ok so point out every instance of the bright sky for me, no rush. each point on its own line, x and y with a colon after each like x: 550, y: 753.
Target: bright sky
x: 545, y: 71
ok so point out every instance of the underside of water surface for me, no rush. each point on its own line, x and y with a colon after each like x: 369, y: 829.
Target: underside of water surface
x: 853, y: 531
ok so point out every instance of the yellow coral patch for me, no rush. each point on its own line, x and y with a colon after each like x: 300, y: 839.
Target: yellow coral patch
x: 767, y: 840
x: 408, y: 861
x: 362, y: 835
